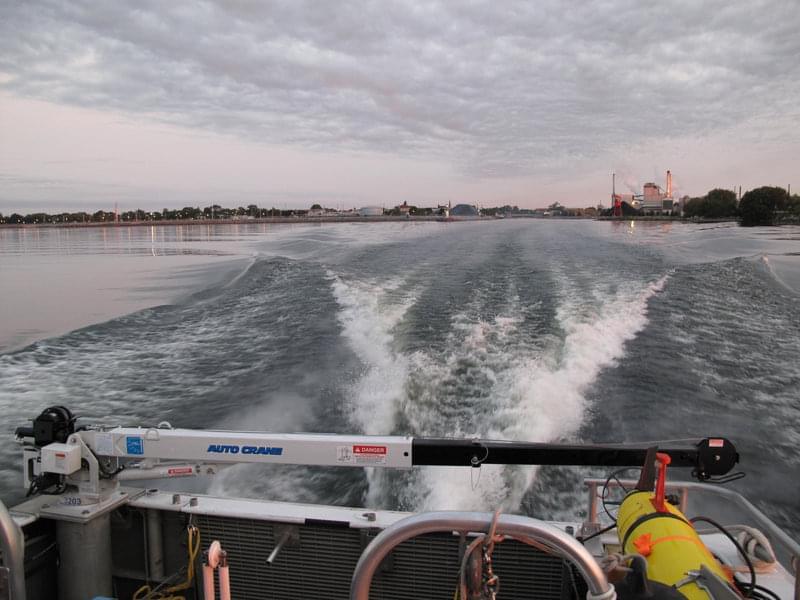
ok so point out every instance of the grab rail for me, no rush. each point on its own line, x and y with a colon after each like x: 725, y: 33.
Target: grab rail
x: 13, y: 546
x: 521, y: 528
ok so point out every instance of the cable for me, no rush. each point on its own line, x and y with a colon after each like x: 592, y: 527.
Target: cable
x: 718, y: 480
x: 40, y: 480
x: 770, y: 594
x: 583, y: 540
x: 603, y: 493
x: 101, y: 467
x: 193, y: 548
x: 752, y: 585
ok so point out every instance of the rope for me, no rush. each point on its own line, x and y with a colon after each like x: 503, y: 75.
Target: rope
x: 193, y: 549
x: 487, y: 540
x: 753, y: 542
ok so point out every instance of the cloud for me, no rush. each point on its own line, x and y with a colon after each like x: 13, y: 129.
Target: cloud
x: 493, y: 89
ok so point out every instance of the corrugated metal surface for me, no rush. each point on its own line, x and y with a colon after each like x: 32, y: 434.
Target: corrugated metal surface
x: 322, y: 565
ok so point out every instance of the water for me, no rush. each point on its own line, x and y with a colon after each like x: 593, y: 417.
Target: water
x: 518, y: 329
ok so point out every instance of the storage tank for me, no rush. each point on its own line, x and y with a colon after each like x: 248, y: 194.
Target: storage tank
x: 370, y: 211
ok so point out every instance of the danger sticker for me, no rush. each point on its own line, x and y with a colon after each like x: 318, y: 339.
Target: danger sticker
x: 361, y: 454
x: 369, y: 449
x: 369, y: 455
x: 180, y: 471
x: 716, y: 443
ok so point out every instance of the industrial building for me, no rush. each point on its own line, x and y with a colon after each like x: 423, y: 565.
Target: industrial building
x: 655, y: 201
x: 370, y: 211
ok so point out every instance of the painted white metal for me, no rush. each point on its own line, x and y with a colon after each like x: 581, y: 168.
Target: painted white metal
x: 168, y: 471
x: 284, y: 512
x: 75, y: 508
x: 61, y: 458
x: 251, y: 447
x: 84, y: 551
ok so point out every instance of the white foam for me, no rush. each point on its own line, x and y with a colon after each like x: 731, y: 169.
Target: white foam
x: 368, y: 313
x: 541, y: 396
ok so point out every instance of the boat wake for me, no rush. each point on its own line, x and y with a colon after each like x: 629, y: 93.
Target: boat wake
x: 491, y: 379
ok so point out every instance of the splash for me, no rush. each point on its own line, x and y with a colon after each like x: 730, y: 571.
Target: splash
x: 541, y: 395
x: 369, y: 311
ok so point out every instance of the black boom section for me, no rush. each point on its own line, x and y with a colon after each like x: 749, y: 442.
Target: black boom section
x: 709, y: 457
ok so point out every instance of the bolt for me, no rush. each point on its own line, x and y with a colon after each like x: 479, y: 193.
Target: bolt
x: 193, y: 502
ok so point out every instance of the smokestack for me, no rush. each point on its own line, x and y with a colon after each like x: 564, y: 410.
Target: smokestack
x: 669, y: 184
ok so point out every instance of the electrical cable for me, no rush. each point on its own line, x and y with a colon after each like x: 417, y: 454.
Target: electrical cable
x: 604, y: 494
x: 193, y: 548
x: 720, y: 480
x: 748, y: 590
x: 770, y: 595
x: 583, y: 540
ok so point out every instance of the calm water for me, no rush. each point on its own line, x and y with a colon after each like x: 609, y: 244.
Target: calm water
x: 509, y: 329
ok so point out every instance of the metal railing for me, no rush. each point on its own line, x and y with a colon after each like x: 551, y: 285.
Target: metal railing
x: 13, y: 545
x: 517, y: 527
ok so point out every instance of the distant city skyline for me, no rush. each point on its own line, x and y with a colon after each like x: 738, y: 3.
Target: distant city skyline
x: 357, y: 103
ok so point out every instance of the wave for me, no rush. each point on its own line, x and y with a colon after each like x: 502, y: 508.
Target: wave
x: 369, y: 312
x: 491, y: 382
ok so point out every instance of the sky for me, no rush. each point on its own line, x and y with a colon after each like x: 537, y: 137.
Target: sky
x: 167, y: 104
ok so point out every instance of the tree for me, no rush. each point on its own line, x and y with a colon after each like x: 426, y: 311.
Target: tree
x: 793, y: 204
x: 758, y: 206
x: 716, y: 204
x: 316, y: 207
x: 720, y: 203
x: 695, y: 207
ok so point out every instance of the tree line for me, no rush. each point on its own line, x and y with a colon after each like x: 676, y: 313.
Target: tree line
x: 761, y: 206
x: 767, y: 205
x: 186, y: 213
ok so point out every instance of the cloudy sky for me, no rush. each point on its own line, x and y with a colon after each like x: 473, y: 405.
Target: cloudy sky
x: 155, y: 104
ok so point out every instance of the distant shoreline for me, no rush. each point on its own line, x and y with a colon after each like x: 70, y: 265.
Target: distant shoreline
x: 271, y: 220
x: 349, y: 219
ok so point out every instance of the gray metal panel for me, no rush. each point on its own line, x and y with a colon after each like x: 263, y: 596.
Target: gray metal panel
x: 322, y: 565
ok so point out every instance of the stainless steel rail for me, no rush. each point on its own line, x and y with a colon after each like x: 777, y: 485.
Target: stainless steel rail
x: 13, y: 546
x: 521, y: 528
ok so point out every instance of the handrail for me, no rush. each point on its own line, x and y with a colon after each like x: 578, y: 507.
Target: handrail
x: 13, y: 546
x: 522, y: 528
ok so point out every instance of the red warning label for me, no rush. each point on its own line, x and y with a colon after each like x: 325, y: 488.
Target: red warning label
x: 369, y: 449
x: 716, y: 443
x: 362, y: 454
x: 180, y: 471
